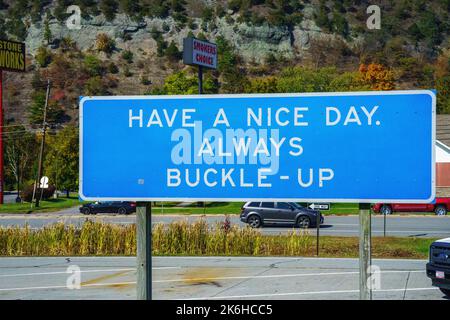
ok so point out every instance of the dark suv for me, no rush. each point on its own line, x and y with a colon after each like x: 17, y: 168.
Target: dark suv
x: 438, y: 268
x: 120, y: 207
x: 257, y: 214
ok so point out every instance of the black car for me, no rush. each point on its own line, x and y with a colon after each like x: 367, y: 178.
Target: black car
x: 109, y: 207
x: 438, y: 268
x: 257, y: 214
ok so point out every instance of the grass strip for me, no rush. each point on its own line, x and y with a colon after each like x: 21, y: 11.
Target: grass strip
x: 49, y: 205
x: 193, y: 239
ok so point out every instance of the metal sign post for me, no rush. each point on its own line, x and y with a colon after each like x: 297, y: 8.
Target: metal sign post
x: 317, y: 234
x: 200, y: 80
x: 144, y: 250
x: 365, y: 257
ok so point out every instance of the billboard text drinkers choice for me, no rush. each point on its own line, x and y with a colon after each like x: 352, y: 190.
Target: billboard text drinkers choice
x: 330, y: 147
x: 199, y: 52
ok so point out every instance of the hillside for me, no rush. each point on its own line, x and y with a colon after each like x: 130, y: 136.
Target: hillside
x: 264, y: 37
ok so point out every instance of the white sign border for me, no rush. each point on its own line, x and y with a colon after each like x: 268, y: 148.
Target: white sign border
x: 273, y: 95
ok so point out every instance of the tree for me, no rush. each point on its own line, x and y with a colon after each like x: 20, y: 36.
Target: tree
x: 17, y: 28
x: 377, y: 76
x: 349, y: 81
x: 93, y: 65
x: 172, y: 52
x: 300, y: 79
x: 95, y: 86
x: 340, y: 24
x: 262, y: 85
x: 428, y: 25
x: 321, y: 17
x: 61, y: 161
x: 60, y: 10
x: 36, y: 109
x: 47, y: 32
x: 43, y: 56
x: 129, y: 7
x: 182, y: 83
x: 443, y: 95
x: 127, y: 55
x: 104, y: 43
x: 108, y: 8
x: 20, y: 156
x: 233, y: 80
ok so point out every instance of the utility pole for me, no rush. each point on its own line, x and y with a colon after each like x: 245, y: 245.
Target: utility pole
x: 1, y: 137
x: 41, y: 153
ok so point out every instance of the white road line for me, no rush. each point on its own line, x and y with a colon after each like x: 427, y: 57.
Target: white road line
x: 65, y: 287
x: 306, y: 293
x: 81, y: 271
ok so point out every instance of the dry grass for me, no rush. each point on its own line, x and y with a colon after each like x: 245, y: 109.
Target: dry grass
x: 192, y: 239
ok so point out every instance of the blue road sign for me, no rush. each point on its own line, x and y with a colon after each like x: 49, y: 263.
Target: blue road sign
x: 317, y: 147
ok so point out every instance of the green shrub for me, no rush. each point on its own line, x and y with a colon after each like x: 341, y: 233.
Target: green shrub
x: 172, y: 52
x: 127, y: 55
x: 93, y: 65
x: 47, y: 193
x: 95, y: 86
x: 112, y: 68
x: 104, y: 43
x: 43, y: 56
x: 126, y: 72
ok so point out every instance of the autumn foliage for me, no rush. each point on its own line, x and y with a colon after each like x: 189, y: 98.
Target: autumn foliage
x: 377, y: 76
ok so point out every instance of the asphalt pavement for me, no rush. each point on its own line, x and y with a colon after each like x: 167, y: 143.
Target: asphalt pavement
x: 399, y: 226
x: 202, y: 278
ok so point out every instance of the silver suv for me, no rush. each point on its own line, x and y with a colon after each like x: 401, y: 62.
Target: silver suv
x: 257, y: 214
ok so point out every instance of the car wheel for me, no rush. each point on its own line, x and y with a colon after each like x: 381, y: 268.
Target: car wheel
x: 122, y: 211
x: 86, y: 211
x: 440, y: 210
x: 254, y: 221
x: 445, y: 291
x: 387, y: 210
x: 303, y: 222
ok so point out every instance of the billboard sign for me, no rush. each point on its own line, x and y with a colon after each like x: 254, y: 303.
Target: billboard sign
x: 200, y: 53
x: 12, y: 56
x: 314, y: 147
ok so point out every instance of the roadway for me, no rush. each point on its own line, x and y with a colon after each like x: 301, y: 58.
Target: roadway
x: 399, y: 226
x: 202, y: 278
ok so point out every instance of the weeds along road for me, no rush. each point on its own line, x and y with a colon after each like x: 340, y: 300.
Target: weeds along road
x: 400, y: 226
x: 212, y: 278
